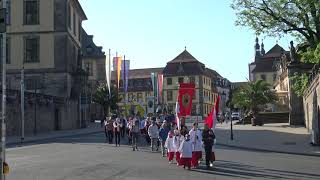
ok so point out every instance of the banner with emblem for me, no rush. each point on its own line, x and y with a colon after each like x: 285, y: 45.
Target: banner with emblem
x: 150, y: 104
x: 186, y: 92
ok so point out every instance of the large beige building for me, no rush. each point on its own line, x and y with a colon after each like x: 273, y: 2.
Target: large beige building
x: 44, y: 38
x: 182, y: 69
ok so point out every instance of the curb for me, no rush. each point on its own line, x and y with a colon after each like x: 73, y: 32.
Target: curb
x: 268, y: 150
x: 50, y: 138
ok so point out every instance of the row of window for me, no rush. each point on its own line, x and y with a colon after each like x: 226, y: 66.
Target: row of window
x: 264, y: 77
x: 181, y: 80
x: 136, y: 97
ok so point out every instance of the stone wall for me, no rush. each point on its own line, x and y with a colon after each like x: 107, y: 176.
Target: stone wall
x: 311, y: 103
x: 43, y: 113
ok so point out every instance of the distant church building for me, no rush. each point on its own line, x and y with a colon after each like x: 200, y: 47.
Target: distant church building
x: 264, y: 66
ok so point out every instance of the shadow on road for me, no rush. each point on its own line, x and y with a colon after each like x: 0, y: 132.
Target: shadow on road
x: 240, y: 170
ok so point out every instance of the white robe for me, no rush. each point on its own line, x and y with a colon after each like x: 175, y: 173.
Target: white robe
x: 177, y: 141
x: 196, y: 139
x: 169, y: 144
x: 186, y: 149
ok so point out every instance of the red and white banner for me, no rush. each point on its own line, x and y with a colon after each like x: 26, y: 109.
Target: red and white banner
x: 211, y: 120
x: 160, y: 87
x: 186, y: 92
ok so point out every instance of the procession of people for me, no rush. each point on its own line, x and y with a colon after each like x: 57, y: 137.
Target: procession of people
x: 181, y: 145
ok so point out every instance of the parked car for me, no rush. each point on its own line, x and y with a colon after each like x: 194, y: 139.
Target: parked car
x: 235, y: 116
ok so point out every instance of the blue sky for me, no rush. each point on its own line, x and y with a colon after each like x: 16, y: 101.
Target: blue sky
x: 152, y: 32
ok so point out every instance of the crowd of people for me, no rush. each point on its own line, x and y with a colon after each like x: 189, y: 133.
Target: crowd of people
x: 179, y: 144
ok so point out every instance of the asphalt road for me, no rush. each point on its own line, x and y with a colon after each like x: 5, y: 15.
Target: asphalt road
x: 89, y: 158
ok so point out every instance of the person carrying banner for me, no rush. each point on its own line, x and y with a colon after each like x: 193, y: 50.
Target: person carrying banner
x: 196, y: 139
x: 208, y: 138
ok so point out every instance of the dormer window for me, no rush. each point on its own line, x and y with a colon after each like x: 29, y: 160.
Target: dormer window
x: 89, y: 49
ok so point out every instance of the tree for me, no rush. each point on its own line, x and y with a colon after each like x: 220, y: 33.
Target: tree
x: 254, y: 95
x: 300, y: 18
x: 102, y: 97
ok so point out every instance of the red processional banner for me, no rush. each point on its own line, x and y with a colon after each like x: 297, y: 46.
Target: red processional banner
x: 186, y: 92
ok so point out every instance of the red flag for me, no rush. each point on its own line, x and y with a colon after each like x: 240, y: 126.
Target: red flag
x: 160, y: 87
x: 212, y: 118
x: 186, y: 92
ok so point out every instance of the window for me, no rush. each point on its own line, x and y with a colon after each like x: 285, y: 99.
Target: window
x: 31, y: 49
x: 79, y: 30
x: 8, y: 44
x: 194, y: 109
x: 31, y: 12
x: 8, y: 12
x: 7, y: 50
x: 194, y: 95
x: 180, y: 80
x: 33, y: 83
x: 74, y: 23
x: 192, y: 80
x: 169, y: 96
x: 69, y: 16
x: 169, y: 81
x: 263, y: 77
x: 140, y: 97
x: 89, y: 68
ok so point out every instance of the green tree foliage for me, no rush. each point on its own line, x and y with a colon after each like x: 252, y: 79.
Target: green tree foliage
x: 298, y: 18
x: 274, y: 17
x: 253, y: 96
x: 300, y: 83
x: 102, y: 97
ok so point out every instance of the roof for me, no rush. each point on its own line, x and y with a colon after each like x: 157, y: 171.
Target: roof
x: 275, y: 52
x: 183, y: 57
x: 184, y: 64
x: 82, y: 13
x: 266, y: 65
x: 212, y: 73
x: 89, y: 48
x: 139, y: 73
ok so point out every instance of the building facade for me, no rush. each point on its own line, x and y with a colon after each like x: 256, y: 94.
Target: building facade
x: 182, y: 69
x: 93, y: 62
x: 264, y: 66
x: 44, y: 39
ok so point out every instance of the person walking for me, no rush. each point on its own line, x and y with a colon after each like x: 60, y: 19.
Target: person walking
x: 146, y: 126
x: 163, y: 134
x: 105, y: 123
x: 208, y: 142
x: 135, y: 131
x: 177, y: 140
x: 153, y: 132
x: 116, y: 129
x: 129, y: 132
x: 170, y: 147
x: 123, y: 126
x: 109, y: 127
x: 196, y: 139
x: 185, y: 150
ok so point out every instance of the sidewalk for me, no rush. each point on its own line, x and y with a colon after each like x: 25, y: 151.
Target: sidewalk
x: 280, y: 138
x: 91, y: 128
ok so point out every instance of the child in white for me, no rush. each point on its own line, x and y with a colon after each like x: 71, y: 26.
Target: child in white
x: 186, y: 152
x: 177, y: 141
x: 196, y: 139
x: 170, y: 146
